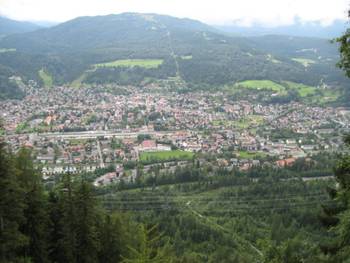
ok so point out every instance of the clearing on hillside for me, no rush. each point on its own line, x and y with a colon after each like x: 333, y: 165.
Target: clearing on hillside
x: 144, y: 63
x: 303, y: 90
x: 188, y: 57
x: 304, y: 61
x: 46, y: 78
x: 261, y: 85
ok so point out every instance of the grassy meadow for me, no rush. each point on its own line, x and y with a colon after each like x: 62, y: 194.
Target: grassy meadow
x: 46, y: 78
x: 303, y: 90
x: 165, y: 155
x: 261, y: 85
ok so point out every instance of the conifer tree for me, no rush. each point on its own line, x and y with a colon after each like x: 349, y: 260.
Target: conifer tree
x: 36, y: 224
x: 110, y: 240
x: 337, y: 215
x: 148, y: 250
x: 86, y: 225
x: 12, y: 206
x: 65, y: 248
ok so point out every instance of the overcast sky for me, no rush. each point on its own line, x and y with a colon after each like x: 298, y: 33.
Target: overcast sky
x: 244, y: 12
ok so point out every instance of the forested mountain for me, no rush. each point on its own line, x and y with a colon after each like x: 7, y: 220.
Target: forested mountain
x: 197, y: 54
x: 140, y: 31
x: 318, y: 56
x: 9, y: 26
x: 194, y: 215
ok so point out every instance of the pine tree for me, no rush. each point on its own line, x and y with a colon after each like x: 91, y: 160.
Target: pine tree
x: 148, y: 250
x: 55, y: 233
x: 11, y: 209
x: 337, y: 215
x: 36, y: 224
x: 110, y: 235
x: 86, y: 228
x: 64, y: 250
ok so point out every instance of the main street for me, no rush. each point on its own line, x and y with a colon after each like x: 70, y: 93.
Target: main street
x: 106, y: 134
x: 96, y: 134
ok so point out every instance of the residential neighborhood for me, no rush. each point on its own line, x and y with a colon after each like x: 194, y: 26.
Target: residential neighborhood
x: 82, y: 130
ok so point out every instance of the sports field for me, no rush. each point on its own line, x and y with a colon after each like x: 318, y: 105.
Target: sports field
x: 166, y: 155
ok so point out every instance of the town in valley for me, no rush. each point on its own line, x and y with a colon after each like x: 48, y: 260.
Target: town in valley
x: 122, y: 130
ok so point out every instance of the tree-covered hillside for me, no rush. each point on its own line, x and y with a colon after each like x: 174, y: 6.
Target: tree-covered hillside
x: 9, y: 27
x: 197, y: 54
x: 195, y: 214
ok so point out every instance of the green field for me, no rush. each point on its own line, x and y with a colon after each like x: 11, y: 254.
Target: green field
x: 21, y: 127
x: 46, y: 78
x: 77, y: 141
x: 261, y: 85
x: 250, y: 155
x: 303, y: 90
x: 329, y: 96
x: 165, y: 155
x: 3, y: 50
x: 144, y: 63
x: 304, y: 61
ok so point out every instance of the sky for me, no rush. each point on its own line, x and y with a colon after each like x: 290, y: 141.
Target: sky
x: 268, y: 13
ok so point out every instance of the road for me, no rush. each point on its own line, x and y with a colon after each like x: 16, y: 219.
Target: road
x: 102, y: 164
x: 108, y: 134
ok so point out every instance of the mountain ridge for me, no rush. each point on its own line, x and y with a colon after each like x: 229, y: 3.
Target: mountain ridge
x: 9, y: 26
x: 199, y: 54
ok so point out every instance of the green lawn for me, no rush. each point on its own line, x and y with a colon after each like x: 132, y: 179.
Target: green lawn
x: 21, y: 127
x: 246, y: 122
x: 250, y: 155
x: 144, y: 63
x: 304, y: 61
x: 261, y: 85
x: 46, y: 78
x: 303, y: 90
x: 165, y: 155
x: 77, y: 141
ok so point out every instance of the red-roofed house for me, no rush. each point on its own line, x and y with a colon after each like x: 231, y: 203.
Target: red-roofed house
x: 148, y: 145
x: 285, y: 162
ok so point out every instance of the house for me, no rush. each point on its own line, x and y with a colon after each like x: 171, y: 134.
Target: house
x: 148, y: 146
x: 105, y: 179
x: 285, y: 162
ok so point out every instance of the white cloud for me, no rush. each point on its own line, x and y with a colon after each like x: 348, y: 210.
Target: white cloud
x: 246, y: 12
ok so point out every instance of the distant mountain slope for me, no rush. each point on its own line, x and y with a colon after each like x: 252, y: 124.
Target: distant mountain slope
x: 295, y: 46
x: 190, y: 51
x: 299, y: 28
x: 318, y: 56
x: 112, y: 31
x: 9, y: 26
